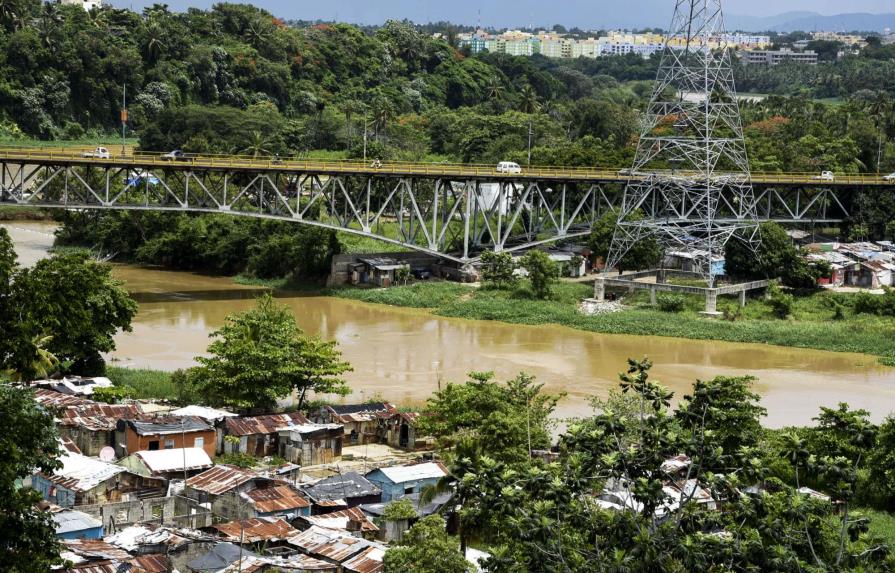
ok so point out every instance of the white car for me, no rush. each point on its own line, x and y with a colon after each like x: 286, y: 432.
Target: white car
x: 98, y: 153
x: 508, y: 167
x: 890, y: 177
x: 825, y: 176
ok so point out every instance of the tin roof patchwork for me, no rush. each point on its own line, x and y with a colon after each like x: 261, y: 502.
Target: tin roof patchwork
x: 270, y: 424
x: 220, y: 479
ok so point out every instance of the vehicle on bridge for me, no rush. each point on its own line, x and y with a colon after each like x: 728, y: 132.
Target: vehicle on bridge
x: 508, y: 167
x: 98, y: 153
x: 890, y: 177
x: 825, y: 176
x: 176, y: 155
x: 135, y: 178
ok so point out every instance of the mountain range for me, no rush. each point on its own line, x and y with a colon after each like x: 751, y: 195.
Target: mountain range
x: 811, y: 21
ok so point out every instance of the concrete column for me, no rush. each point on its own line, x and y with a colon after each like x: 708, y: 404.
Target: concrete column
x: 599, y: 289
x: 742, y: 298
x: 661, y: 276
x: 711, y: 301
x: 652, y: 296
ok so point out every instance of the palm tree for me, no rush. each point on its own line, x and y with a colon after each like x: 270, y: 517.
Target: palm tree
x: 258, y: 32
x: 43, y: 362
x: 154, y: 43
x: 257, y: 146
x: 383, y: 113
x: 880, y: 109
x: 494, y: 89
x: 529, y: 100
x: 9, y: 15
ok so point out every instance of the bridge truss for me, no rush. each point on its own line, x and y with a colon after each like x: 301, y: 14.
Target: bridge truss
x: 454, y: 216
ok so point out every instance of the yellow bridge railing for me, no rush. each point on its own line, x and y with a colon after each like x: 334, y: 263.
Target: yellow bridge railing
x: 141, y: 160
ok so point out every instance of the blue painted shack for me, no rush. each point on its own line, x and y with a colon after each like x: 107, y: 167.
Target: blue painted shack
x: 71, y: 524
x: 398, y: 481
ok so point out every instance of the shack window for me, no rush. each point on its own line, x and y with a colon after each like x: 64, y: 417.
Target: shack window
x: 169, y: 444
x: 153, y: 445
x: 199, y: 442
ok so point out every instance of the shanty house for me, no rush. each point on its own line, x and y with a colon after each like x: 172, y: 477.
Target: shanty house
x: 342, y: 491
x: 164, y: 433
x: 233, y: 492
x: 399, y: 430
x: 90, y: 425
x: 870, y: 274
x: 71, y: 524
x: 311, y: 444
x: 254, y: 531
x: 258, y: 435
x: 277, y: 500
x: 168, y: 464
x: 336, y: 547
x: 379, y: 271
x: 352, y: 521
x: 87, y: 481
x: 361, y: 421
x: 398, y: 481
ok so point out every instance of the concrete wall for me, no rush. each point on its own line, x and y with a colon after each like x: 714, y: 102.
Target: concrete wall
x: 137, y: 443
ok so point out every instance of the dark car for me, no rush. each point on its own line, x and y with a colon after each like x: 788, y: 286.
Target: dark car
x: 421, y: 273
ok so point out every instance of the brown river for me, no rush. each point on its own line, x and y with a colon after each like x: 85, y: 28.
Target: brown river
x: 403, y: 355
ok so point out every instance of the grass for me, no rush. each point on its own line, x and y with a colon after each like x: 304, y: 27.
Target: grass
x: 146, y: 384
x: 109, y: 141
x: 882, y: 523
x: 811, y: 325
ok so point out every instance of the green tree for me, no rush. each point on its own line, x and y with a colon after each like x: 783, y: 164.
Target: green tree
x: 775, y: 257
x: 642, y: 255
x: 28, y: 441
x: 502, y: 421
x: 426, y: 548
x: 70, y: 306
x: 498, y: 269
x: 261, y: 356
x: 542, y: 272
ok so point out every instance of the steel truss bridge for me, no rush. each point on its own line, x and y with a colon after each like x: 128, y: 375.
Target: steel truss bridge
x: 452, y: 211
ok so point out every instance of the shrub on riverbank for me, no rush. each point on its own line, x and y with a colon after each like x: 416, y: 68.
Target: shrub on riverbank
x: 144, y: 384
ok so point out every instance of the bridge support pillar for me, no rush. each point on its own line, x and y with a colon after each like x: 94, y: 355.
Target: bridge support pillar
x: 599, y: 289
x: 711, y: 303
x: 742, y: 299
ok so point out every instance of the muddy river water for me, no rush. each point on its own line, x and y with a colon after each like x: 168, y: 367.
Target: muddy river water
x: 404, y: 354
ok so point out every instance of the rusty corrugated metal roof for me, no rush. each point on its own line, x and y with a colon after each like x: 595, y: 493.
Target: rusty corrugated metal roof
x: 269, y: 424
x: 98, y: 567
x: 367, y: 561
x: 255, y: 530
x: 155, y: 563
x: 53, y: 399
x: 340, y: 520
x: 95, y: 549
x: 277, y: 498
x: 96, y: 416
x: 330, y: 544
x: 220, y: 479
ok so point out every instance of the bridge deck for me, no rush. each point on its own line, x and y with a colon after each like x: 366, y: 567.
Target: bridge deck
x: 142, y: 160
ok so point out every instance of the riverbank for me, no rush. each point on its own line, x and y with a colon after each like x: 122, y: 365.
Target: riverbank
x: 811, y: 325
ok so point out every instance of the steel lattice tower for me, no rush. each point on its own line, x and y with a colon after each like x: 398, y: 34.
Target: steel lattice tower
x: 697, y: 190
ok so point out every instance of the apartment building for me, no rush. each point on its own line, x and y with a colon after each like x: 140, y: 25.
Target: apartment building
x: 776, y: 57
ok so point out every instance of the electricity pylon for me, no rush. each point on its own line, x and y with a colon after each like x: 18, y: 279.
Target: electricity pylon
x: 697, y: 191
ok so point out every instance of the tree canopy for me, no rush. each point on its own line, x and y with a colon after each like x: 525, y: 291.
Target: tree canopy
x: 261, y: 356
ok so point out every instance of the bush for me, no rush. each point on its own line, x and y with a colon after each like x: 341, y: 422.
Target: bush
x: 780, y: 302
x: 497, y: 269
x: 542, y: 272
x: 398, y: 510
x: 670, y: 302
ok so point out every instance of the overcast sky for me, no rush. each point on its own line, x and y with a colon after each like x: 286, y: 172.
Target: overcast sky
x: 511, y: 13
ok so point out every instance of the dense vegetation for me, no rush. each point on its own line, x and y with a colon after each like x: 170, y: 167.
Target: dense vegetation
x: 235, y: 79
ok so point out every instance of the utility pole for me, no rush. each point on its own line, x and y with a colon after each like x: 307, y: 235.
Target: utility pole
x: 124, y: 119
x: 365, y: 136
x: 529, y: 142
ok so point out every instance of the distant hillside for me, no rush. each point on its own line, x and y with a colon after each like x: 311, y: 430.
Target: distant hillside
x: 810, y: 21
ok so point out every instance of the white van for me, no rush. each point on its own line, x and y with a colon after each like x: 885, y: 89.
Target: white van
x: 508, y: 167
